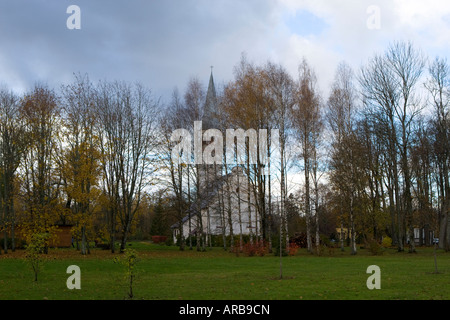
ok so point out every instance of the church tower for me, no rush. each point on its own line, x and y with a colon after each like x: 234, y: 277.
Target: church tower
x: 210, y: 110
x: 210, y: 172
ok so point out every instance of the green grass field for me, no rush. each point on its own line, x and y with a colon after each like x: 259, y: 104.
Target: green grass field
x: 165, y: 273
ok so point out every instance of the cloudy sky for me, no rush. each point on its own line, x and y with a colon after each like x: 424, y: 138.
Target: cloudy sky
x: 164, y: 43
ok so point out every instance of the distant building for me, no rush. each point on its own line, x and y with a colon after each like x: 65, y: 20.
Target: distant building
x: 422, y: 237
x: 342, y: 233
x: 62, y: 237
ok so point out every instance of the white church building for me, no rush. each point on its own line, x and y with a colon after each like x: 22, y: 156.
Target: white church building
x: 225, y: 204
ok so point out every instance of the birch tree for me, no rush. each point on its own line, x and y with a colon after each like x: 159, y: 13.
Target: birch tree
x: 281, y: 91
x: 340, y: 116
x: 306, y: 117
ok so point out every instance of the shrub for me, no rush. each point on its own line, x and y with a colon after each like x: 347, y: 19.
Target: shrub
x: 299, y: 240
x: 256, y: 248
x: 318, y: 250
x: 169, y: 241
x: 293, y: 249
x: 217, y: 240
x: 387, y: 242
x: 324, y: 240
x: 374, y: 247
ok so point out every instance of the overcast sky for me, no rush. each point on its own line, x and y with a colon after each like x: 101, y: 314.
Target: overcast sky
x: 164, y: 43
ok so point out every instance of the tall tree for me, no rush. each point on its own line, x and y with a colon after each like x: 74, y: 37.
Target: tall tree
x: 307, y: 122
x: 438, y: 86
x: 422, y: 173
x: 389, y: 83
x: 127, y: 123
x: 408, y: 65
x: 193, y: 110
x: 80, y: 164
x: 171, y: 121
x: 341, y: 118
x: 107, y: 131
x: 245, y: 95
x: 40, y: 110
x: 12, y: 147
x: 281, y: 92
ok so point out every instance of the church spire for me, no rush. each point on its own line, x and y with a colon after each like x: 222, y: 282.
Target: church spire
x: 210, y: 109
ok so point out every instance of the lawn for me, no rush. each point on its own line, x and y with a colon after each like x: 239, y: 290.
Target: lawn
x: 165, y: 273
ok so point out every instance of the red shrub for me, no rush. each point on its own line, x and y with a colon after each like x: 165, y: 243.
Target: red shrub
x: 293, y: 249
x: 256, y: 248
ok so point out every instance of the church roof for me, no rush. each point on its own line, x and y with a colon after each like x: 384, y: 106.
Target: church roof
x: 209, y: 120
x: 207, y: 195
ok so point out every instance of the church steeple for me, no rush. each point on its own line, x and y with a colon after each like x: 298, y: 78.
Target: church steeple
x: 208, y: 172
x: 210, y: 109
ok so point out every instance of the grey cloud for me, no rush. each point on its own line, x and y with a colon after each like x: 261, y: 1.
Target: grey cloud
x: 160, y: 43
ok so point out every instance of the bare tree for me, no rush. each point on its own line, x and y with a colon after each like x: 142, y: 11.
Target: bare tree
x: 389, y: 84
x: 281, y: 91
x: 128, y: 118
x: 306, y: 117
x: 438, y: 86
x: 194, y: 99
x: 171, y: 121
x: 12, y: 148
x: 107, y: 130
x: 340, y: 116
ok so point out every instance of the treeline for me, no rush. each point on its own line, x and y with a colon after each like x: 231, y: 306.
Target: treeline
x: 80, y: 156
x: 372, y: 157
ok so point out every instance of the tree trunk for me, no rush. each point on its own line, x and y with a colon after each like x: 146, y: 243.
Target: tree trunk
x: 317, y: 221
x: 5, y: 242
x: 352, y: 227
x: 229, y: 211
x: 444, y: 231
x: 113, y: 231
x: 83, y: 240
x: 125, y: 232
x: 307, y: 204
x: 270, y: 202
x: 316, y: 203
x: 249, y: 207
x: 189, y: 206
x: 13, y: 236
x: 221, y: 210
x: 238, y: 193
